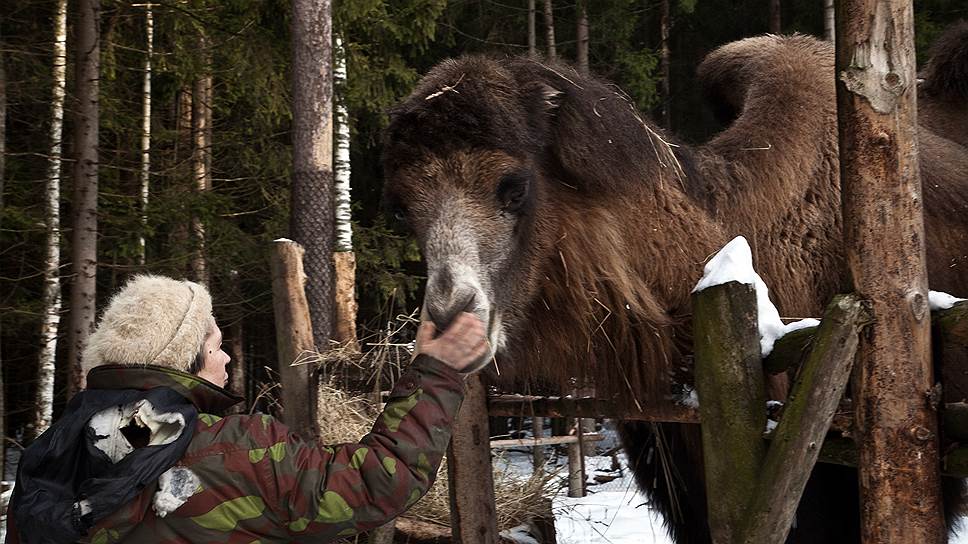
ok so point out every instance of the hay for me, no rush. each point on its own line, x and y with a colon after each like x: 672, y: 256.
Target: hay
x: 345, y: 417
x: 347, y: 413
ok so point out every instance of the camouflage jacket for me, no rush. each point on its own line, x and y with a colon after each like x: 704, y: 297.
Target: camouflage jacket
x: 258, y: 482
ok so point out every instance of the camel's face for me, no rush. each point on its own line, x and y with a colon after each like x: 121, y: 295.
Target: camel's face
x: 471, y: 212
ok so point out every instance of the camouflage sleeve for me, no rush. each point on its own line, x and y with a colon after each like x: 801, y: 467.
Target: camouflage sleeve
x: 347, y: 488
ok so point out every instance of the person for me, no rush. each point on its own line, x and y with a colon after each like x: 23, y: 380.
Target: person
x: 142, y: 456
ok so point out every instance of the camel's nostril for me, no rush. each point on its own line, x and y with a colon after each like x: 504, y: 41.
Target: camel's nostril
x: 443, y: 315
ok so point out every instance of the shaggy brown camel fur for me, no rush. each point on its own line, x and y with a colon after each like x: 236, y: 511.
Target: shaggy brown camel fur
x: 575, y: 229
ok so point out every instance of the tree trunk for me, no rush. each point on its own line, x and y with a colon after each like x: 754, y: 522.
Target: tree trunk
x: 311, y: 220
x: 775, y: 16
x: 829, y: 32
x: 51, y: 303
x: 146, y: 130
x: 532, y: 34
x: 344, y: 261
x: 3, y: 171
x: 237, y: 370
x: 896, y: 427
x: 202, y: 156
x: 665, y: 24
x: 581, y: 34
x: 294, y: 337
x: 84, y: 235
x: 549, y: 16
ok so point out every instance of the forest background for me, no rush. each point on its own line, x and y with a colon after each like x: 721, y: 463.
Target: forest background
x: 235, y: 57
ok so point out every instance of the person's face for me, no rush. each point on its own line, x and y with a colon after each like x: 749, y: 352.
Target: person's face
x: 215, y: 359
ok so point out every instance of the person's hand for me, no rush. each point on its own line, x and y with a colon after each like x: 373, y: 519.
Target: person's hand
x: 460, y: 346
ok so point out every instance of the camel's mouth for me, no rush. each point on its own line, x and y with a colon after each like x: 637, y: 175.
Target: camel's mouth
x: 442, y: 306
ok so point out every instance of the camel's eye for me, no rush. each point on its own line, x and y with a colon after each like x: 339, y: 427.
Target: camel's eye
x: 512, y: 192
x: 396, y: 214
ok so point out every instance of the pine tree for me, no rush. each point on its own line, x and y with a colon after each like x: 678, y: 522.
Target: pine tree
x: 581, y: 33
x: 84, y: 235
x: 549, y: 15
x: 202, y: 155
x: 532, y: 35
x: 311, y: 220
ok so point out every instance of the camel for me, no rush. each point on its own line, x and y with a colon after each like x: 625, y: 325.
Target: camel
x: 575, y: 228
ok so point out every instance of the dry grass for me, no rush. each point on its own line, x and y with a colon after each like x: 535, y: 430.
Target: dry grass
x: 346, y: 416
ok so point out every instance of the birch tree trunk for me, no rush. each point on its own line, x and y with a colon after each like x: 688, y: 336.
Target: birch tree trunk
x: 664, y: 58
x: 549, y: 16
x: 344, y: 260
x: 84, y: 234
x: 581, y: 33
x: 896, y: 426
x: 43, y: 410
x: 202, y: 156
x: 146, y: 130
x: 532, y: 34
x: 775, y: 10
x: 311, y: 220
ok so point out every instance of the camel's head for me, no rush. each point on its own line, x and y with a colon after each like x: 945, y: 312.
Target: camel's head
x: 464, y: 173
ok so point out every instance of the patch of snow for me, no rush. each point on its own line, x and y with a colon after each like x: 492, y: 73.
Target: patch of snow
x: 938, y: 300
x: 732, y: 263
x: 520, y: 534
x: 735, y: 263
x: 610, y: 517
x: 282, y: 240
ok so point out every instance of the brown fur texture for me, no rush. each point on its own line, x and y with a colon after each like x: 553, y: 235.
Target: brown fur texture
x: 547, y: 205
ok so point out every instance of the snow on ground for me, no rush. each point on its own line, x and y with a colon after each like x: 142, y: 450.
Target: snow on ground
x: 613, y: 512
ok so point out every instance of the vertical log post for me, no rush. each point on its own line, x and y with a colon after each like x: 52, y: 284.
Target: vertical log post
x: 472, y: 512
x: 294, y: 336
x: 576, y: 463
x: 537, y: 452
x: 897, y: 428
x: 732, y: 401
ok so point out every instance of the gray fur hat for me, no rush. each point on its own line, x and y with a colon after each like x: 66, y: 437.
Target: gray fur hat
x: 152, y: 320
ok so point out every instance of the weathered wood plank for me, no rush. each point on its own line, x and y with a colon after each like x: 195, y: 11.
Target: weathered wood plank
x: 732, y: 401
x: 807, y: 415
x: 526, y: 405
x: 949, y: 331
x: 544, y: 441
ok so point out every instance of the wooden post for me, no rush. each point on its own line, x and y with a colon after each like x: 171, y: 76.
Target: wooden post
x: 294, y: 336
x: 896, y: 425
x: 383, y: 534
x: 469, y: 473
x: 537, y: 452
x: 732, y: 401
x: 576, y: 464
x: 797, y: 440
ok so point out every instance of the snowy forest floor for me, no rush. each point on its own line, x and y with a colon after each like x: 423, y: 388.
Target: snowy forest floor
x: 613, y: 511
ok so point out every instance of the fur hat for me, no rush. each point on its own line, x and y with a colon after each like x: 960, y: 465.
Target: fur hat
x: 152, y: 320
